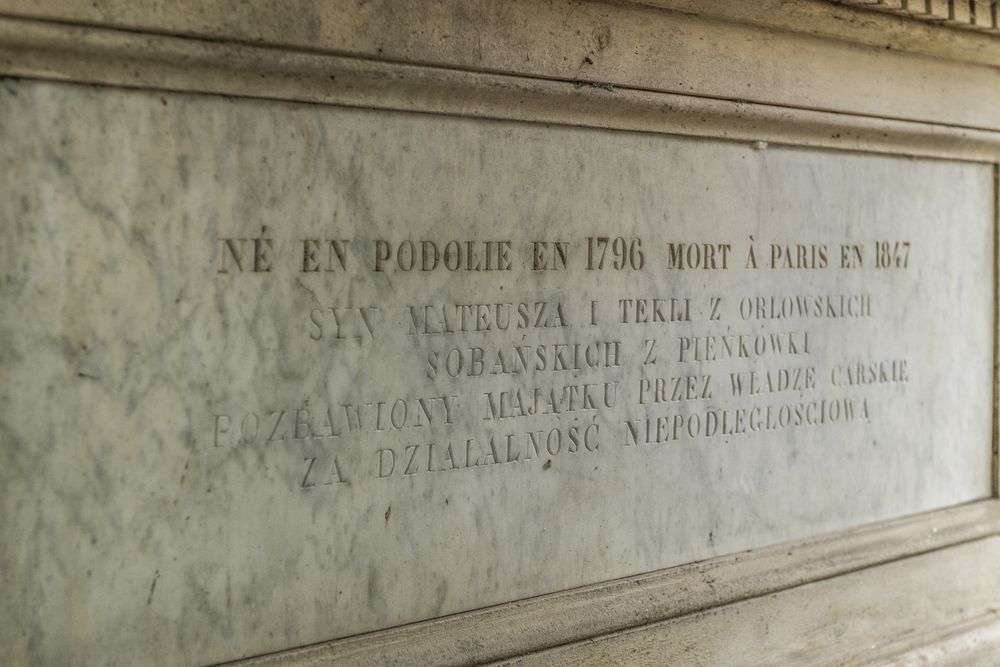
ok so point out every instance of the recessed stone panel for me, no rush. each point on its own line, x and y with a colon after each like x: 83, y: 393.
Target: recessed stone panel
x: 278, y: 373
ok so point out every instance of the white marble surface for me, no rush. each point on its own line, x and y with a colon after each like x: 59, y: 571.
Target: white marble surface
x: 139, y: 528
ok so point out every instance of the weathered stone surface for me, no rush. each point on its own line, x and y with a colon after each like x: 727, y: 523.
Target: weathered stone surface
x: 185, y: 461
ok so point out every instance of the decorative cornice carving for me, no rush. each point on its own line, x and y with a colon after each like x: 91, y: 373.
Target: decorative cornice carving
x: 978, y: 15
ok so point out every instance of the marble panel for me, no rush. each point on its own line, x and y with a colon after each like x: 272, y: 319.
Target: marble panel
x: 276, y: 373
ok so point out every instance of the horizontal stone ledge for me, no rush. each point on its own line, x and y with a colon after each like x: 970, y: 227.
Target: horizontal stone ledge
x: 548, y: 621
x: 34, y: 49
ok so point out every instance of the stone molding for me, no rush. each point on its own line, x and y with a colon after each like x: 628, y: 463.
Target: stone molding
x: 970, y: 14
x: 610, y: 610
x: 43, y: 50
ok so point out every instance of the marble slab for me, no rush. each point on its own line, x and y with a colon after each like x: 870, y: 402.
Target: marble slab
x: 274, y: 374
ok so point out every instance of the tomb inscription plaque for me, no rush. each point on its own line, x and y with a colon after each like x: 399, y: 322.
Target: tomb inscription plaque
x: 351, y: 369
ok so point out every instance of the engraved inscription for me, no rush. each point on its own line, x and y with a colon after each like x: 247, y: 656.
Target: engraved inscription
x: 705, y: 367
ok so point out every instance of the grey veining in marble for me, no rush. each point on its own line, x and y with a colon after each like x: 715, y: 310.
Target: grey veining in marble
x: 202, y: 461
